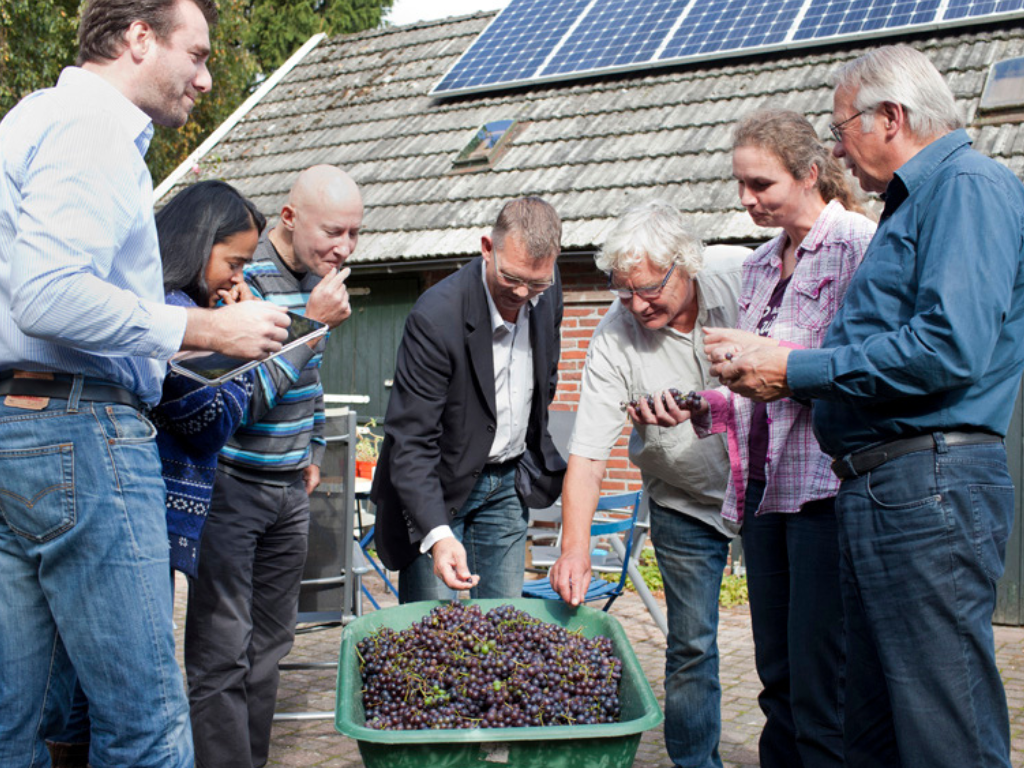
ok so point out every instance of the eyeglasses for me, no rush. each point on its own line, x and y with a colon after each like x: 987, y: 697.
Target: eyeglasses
x: 836, y: 128
x: 533, y: 286
x: 649, y: 292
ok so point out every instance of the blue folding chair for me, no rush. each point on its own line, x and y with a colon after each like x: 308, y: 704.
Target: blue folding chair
x: 364, y: 546
x: 599, y: 589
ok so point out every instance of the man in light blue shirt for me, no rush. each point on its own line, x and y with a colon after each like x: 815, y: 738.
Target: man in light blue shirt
x: 84, y: 338
x: 913, y: 391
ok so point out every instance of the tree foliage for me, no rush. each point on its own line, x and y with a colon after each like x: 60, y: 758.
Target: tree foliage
x: 253, y: 38
x: 278, y: 27
x: 234, y: 71
x: 37, y: 40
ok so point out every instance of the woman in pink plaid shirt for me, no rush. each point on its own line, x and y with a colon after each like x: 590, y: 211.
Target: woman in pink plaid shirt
x: 781, y: 485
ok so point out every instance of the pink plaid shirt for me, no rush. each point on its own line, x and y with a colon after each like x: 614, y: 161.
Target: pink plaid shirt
x: 797, y: 471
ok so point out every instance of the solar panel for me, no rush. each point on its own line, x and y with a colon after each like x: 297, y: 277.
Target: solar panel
x: 536, y: 41
x: 853, y: 17
x: 964, y: 9
x: 616, y: 33
x: 731, y: 25
x: 514, y: 45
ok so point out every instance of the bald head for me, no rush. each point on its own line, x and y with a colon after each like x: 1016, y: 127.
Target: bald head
x: 322, y: 182
x: 320, y: 223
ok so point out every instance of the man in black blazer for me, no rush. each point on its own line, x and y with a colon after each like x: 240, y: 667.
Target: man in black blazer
x: 466, y: 444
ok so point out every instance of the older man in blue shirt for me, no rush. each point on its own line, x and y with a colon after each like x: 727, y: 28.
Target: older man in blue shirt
x: 913, y: 392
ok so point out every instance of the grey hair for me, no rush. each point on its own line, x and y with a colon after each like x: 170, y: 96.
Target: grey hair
x: 901, y: 75
x: 654, y: 230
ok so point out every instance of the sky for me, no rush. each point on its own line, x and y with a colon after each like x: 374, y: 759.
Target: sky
x: 408, y: 11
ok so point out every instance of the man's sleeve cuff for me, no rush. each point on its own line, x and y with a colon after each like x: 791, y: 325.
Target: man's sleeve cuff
x: 441, y: 532
x: 716, y: 418
x: 592, y: 452
x: 168, y: 329
x: 317, y: 450
x: 807, y: 372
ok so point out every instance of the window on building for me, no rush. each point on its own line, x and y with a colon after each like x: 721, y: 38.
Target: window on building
x: 1004, y: 90
x: 487, y: 145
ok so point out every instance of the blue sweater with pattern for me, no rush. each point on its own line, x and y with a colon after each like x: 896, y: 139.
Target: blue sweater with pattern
x: 193, y: 423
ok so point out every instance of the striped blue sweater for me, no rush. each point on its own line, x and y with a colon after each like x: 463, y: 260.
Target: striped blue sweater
x: 283, y: 431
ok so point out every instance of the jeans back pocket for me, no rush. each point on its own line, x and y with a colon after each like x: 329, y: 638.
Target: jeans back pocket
x: 37, y: 490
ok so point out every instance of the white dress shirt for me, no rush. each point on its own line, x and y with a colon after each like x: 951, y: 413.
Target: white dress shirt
x: 513, y: 380
x: 513, y: 389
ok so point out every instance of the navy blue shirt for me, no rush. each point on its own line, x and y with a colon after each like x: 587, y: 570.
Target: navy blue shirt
x: 931, y: 333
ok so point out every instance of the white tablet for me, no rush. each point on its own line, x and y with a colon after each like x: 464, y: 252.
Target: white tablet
x: 213, y: 368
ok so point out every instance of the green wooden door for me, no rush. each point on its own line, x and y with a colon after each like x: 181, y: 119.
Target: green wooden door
x: 360, y: 356
x: 1010, y: 597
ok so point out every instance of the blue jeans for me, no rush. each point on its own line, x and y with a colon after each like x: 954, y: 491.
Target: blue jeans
x: 492, y: 527
x: 923, y: 542
x: 83, y: 553
x: 76, y: 729
x: 691, y: 557
x: 796, y: 612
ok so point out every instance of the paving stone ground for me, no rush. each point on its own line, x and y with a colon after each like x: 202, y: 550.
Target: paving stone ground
x: 316, y: 743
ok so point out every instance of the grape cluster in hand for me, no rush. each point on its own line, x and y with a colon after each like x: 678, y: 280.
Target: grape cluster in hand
x: 691, y: 401
x: 460, y: 668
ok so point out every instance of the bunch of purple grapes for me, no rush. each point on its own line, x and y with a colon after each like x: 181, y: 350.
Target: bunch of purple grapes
x: 460, y: 668
x: 691, y: 401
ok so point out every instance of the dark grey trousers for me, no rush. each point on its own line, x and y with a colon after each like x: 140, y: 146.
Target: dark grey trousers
x: 242, y: 609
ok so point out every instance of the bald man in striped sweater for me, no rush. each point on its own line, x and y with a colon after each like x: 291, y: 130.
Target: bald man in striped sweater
x: 243, y: 603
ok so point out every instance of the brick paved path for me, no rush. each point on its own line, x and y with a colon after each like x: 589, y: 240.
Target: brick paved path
x: 316, y: 743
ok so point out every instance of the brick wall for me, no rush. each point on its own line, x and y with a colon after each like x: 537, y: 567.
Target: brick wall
x: 586, y: 300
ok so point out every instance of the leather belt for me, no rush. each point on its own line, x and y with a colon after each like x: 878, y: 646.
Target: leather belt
x: 503, y: 466
x: 59, y: 387
x: 857, y: 463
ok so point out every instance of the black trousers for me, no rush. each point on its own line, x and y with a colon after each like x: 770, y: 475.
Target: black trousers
x: 242, y: 609
x: 796, y: 612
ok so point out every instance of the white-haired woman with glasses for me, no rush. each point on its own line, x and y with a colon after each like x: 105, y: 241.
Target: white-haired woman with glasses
x: 781, y: 486
x: 667, y: 289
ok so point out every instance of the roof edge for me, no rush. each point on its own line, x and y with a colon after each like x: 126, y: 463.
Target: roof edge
x: 388, y: 27
x: 236, y: 117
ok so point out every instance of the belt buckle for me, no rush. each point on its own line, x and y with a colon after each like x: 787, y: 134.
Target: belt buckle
x: 843, y: 467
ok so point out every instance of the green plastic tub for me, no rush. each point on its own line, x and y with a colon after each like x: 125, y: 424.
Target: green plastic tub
x: 556, y: 746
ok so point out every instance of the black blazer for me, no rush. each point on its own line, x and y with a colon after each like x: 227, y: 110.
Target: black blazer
x: 441, y: 417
